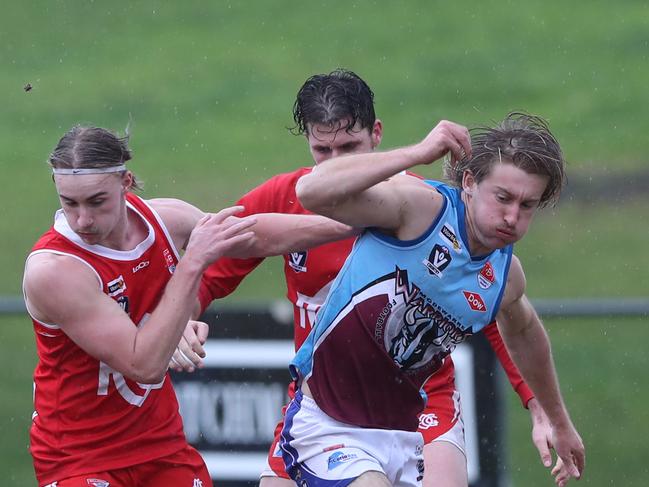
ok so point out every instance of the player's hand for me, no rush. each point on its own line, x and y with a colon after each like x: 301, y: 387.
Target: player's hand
x: 219, y: 234
x: 446, y: 138
x: 571, y: 452
x: 189, y: 353
x: 541, y: 431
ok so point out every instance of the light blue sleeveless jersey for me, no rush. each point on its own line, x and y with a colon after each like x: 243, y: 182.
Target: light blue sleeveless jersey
x: 396, y: 309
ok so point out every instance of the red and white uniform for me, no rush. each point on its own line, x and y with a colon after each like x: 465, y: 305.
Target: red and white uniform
x: 309, y: 275
x: 88, y: 417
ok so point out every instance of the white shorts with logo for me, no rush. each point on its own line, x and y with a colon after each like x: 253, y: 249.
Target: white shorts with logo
x: 320, y: 451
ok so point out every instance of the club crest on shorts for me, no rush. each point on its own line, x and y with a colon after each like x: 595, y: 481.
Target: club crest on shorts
x: 97, y: 482
x: 438, y: 260
x: 297, y: 261
x: 486, y: 276
x: 428, y: 420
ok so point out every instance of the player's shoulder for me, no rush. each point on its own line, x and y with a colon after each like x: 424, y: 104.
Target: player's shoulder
x: 47, y: 270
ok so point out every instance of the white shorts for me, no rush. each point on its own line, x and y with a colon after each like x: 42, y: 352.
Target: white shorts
x: 318, y: 450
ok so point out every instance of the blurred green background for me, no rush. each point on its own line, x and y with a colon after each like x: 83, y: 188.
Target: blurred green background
x: 208, y: 88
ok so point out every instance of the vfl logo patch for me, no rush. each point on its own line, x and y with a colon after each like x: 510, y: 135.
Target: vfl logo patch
x: 448, y: 234
x: 123, y: 302
x: 475, y: 301
x: 338, y: 458
x: 428, y: 420
x: 116, y: 286
x: 438, y: 260
x: 486, y: 276
x: 297, y: 261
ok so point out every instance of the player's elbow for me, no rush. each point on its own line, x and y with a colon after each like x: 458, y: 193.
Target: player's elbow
x: 312, y: 196
x: 147, y: 373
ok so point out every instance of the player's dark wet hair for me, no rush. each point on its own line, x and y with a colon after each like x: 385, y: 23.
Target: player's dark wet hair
x: 91, y: 147
x: 340, y: 100
x: 521, y: 139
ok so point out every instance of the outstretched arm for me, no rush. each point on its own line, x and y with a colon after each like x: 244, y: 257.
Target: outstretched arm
x: 362, y: 190
x: 529, y: 346
x: 98, y: 325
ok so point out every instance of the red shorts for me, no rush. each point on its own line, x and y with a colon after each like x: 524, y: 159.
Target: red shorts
x: 185, y: 467
x: 441, y: 413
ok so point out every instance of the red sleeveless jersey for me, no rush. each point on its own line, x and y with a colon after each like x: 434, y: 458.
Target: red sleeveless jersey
x: 88, y: 417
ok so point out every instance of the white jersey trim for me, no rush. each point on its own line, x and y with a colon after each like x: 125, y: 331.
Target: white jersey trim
x: 61, y: 226
x: 53, y: 326
x: 164, y: 228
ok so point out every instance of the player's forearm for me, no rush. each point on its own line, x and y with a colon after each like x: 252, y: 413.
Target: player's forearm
x: 280, y: 234
x: 530, y: 350
x: 336, y: 180
x: 157, y: 338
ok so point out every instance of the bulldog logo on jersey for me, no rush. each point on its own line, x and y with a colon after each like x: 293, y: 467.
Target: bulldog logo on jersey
x: 438, y: 260
x: 297, y: 261
x: 486, y: 276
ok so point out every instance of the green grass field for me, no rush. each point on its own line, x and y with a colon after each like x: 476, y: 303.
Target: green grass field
x: 209, y: 86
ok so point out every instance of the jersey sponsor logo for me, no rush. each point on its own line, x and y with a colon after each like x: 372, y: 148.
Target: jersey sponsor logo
x: 169, y: 259
x: 116, y: 286
x: 428, y: 420
x: 297, y: 261
x: 140, y: 266
x: 486, y: 276
x: 475, y: 301
x: 338, y: 458
x: 448, y: 233
x: 438, y: 260
x: 97, y: 482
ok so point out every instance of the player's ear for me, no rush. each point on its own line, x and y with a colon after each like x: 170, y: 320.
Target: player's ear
x: 377, y: 133
x: 469, y: 182
x: 127, y: 180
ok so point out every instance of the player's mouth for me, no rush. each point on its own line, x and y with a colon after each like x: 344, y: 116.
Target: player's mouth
x: 505, y: 233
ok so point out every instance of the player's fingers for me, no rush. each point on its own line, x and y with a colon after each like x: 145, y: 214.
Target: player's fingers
x: 202, y: 331
x: 570, y: 467
x: 237, y: 226
x: 544, y: 451
x: 227, y: 212
x: 191, y: 358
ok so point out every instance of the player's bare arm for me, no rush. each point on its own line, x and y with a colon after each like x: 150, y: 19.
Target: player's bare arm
x: 280, y: 234
x: 529, y: 347
x: 362, y: 189
x: 63, y: 291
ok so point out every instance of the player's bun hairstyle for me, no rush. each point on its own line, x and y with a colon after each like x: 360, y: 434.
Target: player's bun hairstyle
x: 89, y: 148
x: 340, y: 100
x: 521, y: 139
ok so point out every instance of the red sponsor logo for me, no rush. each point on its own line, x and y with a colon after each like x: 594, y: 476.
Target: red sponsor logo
x: 475, y: 301
x: 486, y: 276
x: 334, y: 447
